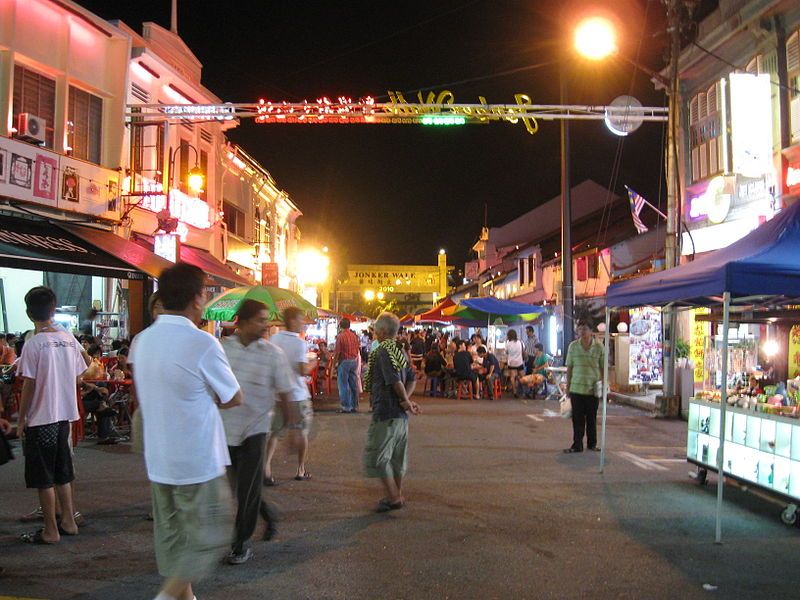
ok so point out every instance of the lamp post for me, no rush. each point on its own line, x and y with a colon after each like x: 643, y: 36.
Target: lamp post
x: 594, y: 39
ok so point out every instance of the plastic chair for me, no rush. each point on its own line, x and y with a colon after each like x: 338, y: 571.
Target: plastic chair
x: 464, y: 387
x: 329, y: 378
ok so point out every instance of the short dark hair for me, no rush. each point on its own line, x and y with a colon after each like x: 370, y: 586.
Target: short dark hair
x: 123, y: 352
x: 344, y: 323
x: 249, y: 309
x: 180, y: 284
x: 116, y: 344
x: 529, y: 328
x: 40, y: 302
x: 482, y: 350
x: 151, y: 301
x: 583, y: 324
x: 539, y: 346
x: 94, y: 349
x: 511, y: 335
x: 290, y: 312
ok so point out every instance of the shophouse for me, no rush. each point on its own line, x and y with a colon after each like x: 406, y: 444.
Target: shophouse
x: 62, y: 130
x: 740, y: 131
x: 260, y: 218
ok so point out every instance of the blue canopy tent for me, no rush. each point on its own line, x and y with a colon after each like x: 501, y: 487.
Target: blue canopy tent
x: 763, y: 265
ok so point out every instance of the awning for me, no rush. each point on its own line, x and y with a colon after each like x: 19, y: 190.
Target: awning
x: 127, y: 251
x: 215, y: 269
x: 45, y: 246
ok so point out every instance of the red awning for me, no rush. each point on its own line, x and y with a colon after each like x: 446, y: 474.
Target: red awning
x: 435, y: 315
x: 127, y: 251
x: 216, y: 269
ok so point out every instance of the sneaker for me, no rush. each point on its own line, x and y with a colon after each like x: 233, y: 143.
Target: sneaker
x: 240, y: 558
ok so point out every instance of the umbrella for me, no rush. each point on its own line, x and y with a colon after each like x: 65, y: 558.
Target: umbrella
x: 489, y: 310
x: 435, y: 315
x: 224, y: 306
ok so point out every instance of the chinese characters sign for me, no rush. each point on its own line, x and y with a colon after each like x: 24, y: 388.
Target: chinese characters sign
x: 794, y: 352
x: 700, y: 330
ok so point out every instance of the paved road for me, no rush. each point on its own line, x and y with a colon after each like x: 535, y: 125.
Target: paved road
x: 495, y: 511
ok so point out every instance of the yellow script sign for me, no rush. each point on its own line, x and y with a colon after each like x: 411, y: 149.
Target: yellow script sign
x: 699, y: 331
x: 794, y: 352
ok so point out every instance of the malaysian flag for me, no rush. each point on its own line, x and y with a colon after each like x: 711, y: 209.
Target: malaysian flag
x: 637, y: 204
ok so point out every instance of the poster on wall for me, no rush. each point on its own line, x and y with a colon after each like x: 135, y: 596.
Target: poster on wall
x: 44, y: 184
x: 70, y: 191
x: 645, y: 346
x: 21, y: 171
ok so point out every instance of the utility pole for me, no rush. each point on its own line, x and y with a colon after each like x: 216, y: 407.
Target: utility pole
x: 567, y: 293
x: 672, y: 253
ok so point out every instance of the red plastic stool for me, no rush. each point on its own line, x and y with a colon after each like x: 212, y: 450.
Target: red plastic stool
x: 464, y: 387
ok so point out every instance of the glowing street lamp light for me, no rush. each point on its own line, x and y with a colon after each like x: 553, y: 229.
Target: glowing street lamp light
x: 595, y: 38
x: 369, y: 295
x: 380, y: 295
x: 312, y: 267
x: 196, y: 180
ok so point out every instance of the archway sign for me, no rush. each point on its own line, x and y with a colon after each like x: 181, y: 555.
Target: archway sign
x: 431, y: 109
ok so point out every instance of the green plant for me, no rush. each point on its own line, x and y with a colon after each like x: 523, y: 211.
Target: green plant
x: 681, y: 349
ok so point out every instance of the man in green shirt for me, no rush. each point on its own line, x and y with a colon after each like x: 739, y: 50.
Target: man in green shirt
x: 584, y: 369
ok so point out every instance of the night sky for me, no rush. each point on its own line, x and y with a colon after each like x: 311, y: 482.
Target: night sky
x: 397, y: 193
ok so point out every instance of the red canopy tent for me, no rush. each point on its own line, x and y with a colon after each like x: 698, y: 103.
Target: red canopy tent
x: 435, y: 315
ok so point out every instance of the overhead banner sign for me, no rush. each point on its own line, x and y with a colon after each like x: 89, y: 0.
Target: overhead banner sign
x: 398, y: 279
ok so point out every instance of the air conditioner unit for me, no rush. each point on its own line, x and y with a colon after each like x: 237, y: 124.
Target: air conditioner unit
x: 31, y: 128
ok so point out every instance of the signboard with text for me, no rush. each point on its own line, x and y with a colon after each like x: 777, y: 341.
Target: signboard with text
x: 399, y: 279
x: 270, y: 274
x: 794, y: 352
x: 699, y: 331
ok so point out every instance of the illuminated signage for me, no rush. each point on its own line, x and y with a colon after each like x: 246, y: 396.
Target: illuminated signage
x: 187, y: 209
x: 751, y: 124
x: 217, y: 112
x: 713, y: 203
x: 792, y: 176
x: 165, y: 245
x: 405, y: 279
x: 433, y: 109
x: 698, y: 331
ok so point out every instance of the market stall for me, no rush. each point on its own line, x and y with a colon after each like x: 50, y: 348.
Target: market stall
x: 760, y: 269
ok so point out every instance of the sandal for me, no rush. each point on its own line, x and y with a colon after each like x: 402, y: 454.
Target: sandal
x: 573, y: 450
x: 304, y: 477
x: 34, y: 515
x: 63, y: 531
x: 385, y: 506
x: 269, y: 482
x: 35, y: 537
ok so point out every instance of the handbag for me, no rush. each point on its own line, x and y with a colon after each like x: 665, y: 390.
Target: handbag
x: 6, y: 453
x: 566, y: 408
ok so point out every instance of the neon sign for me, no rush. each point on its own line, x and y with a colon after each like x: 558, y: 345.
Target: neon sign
x: 217, y: 112
x: 187, y: 209
x: 712, y: 203
x: 432, y: 109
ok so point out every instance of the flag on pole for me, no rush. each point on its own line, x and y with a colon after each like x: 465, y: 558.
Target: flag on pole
x: 637, y: 204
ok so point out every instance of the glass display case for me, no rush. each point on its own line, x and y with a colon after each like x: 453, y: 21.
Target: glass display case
x: 760, y: 448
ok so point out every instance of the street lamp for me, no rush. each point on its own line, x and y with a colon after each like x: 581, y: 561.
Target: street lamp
x: 195, y: 181
x: 369, y: 295
x: 594, y: 38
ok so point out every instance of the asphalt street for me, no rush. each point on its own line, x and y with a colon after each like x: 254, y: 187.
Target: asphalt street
x: 495, y: 511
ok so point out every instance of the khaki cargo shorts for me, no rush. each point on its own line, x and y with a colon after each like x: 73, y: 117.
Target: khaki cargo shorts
x: 301, y: 414
x: 192, y: 527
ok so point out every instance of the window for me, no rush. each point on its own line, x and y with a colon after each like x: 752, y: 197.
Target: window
x: 35, y: 94
x: 793, y: 69
x: 705, y: 133
x: 526, y: 271
x: 84, y: 124
x: 234, y: 218
x: 594, y: 266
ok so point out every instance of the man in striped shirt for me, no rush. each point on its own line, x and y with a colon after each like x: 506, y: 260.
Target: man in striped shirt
x: 584, y: 369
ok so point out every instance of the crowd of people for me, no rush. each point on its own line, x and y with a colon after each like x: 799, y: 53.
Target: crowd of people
x: 211, y: 412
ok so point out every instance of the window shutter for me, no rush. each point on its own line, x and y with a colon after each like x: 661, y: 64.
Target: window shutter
x: 793, y: 52
x: 581, y: 268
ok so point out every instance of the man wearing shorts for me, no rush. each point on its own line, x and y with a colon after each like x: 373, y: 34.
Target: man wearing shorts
x: 50, y: 364
x: 386, y: 453
x: 182, y: 380
x: 298, y: 414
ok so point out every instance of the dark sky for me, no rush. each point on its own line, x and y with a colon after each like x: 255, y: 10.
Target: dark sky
x: 397, y: 193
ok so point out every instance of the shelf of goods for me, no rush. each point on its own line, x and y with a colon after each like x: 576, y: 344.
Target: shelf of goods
x: 760, y: 448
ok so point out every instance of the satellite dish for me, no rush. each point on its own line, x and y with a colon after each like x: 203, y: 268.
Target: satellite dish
x: 624, y: 115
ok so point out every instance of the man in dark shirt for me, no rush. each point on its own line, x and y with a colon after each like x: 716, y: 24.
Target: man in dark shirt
x: 491, y: 369
x: 388, y: 375
x: 417, y: 351
x: 462, y: 364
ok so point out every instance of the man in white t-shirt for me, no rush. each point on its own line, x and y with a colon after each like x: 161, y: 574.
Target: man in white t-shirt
x: 263, y: 372
x: 50, y: 364
x: 182, y: 379
x: 299, y: 414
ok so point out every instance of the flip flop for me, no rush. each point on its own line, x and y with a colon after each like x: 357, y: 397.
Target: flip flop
x: 35, y: 537
x: 269, y: 482
x: 385, y: 506
x: 63, y: 531
x: 304, y: 477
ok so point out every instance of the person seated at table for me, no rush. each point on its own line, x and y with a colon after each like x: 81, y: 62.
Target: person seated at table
x: 462, y: 363
x: 434, y: 366
x: 324, y: 357
x: 490, y: 370
x: 96, y: 368
x: 121, y: 369
x: 95, y: 402
x: 541, y: 362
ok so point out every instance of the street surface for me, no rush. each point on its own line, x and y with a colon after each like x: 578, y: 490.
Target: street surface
x: 495, y: 511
